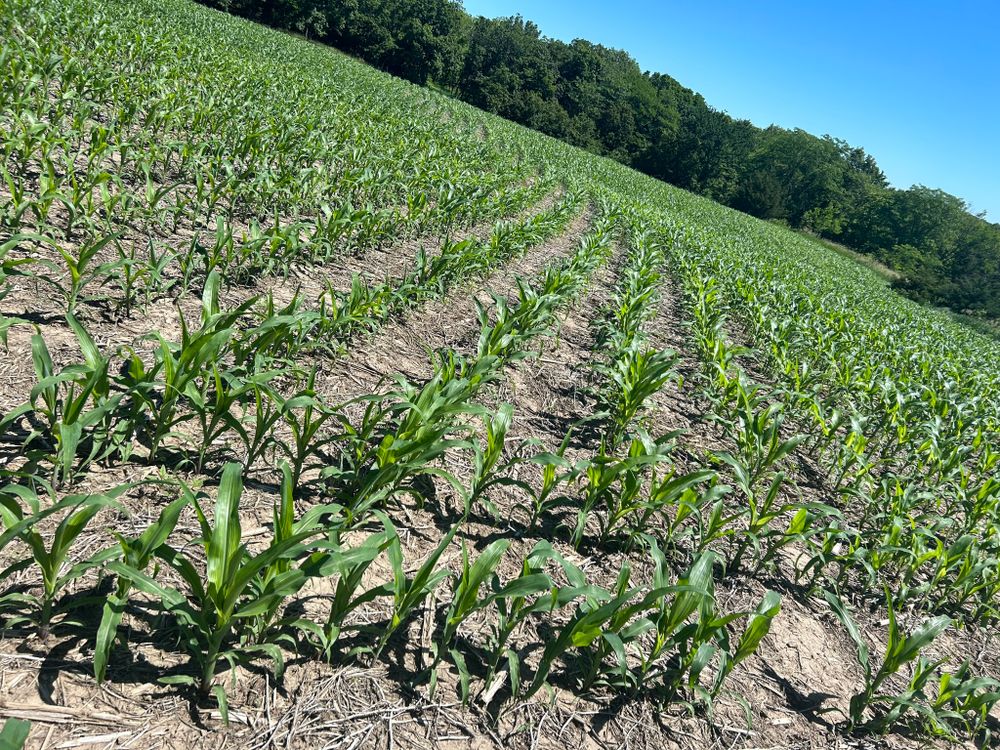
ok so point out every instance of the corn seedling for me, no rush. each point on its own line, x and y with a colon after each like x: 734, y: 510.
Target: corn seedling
x: 77, y: 406
x: 531, y: 592
x: 349, y: 565
x: 22, y: 512
x: 963, y: 702
x: 900, y: 651
x: 9, y: 268
x: 629, y: 381
x: 408, y: 592
x: 81, y: 267
x: 214, y: 611
x: 137, y: 553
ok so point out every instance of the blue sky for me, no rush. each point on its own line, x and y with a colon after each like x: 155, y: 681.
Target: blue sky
x: 917, y: 84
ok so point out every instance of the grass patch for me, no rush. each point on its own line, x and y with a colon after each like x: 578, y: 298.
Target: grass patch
x: 860, y: 258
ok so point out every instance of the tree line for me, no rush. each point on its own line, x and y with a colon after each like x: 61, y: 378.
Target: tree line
x: 599, y: 99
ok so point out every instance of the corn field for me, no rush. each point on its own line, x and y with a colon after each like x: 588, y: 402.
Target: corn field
x: 335, y: 413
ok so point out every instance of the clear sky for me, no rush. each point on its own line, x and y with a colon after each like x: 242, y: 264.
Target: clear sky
x: 916, y: 84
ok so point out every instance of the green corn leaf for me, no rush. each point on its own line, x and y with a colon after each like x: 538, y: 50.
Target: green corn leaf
x: 840, y: 609
x: 225, y: 539
x: 14, y: 734
x: 760, y: 625
x: 220, y: 695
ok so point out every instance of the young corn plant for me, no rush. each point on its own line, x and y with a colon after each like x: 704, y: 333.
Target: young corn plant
x: 556, y: 471
x: 258, y: 429
x: 349, y: 565
x: 342, y: 315
x: 614, y: 486
x: 486, y: 458
x: 630, y: 380
x: 607, y: 641
x: 670, y: 496
x: 21, y: 512
x: 284, y: 572
x: 600, y: 613
x: 215, y: 612
x: 512, y: 600
x: 900, y: 650
x: 81, y: 267
x: 143, y: 279
x: 305, y: 415
x: 507, y: 337
x: 271, y: 337
x: 9, y: 268
x: 646, y: 492
x: 217, y: 400
x: 137, y: 553
x: 532, y: 592
x: 465, y: 601
x: 17, y: 206
x: 613, y: 630
x: 181, y: 373
x: 699, y: 515
x: 756, y: 429
x: 78, y: 408
x: 409, y: 591
x: 963, y: 704
x: 400, y: 438
x: 683, y: 648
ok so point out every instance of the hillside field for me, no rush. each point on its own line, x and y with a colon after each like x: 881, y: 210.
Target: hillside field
x: 335, y: 413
